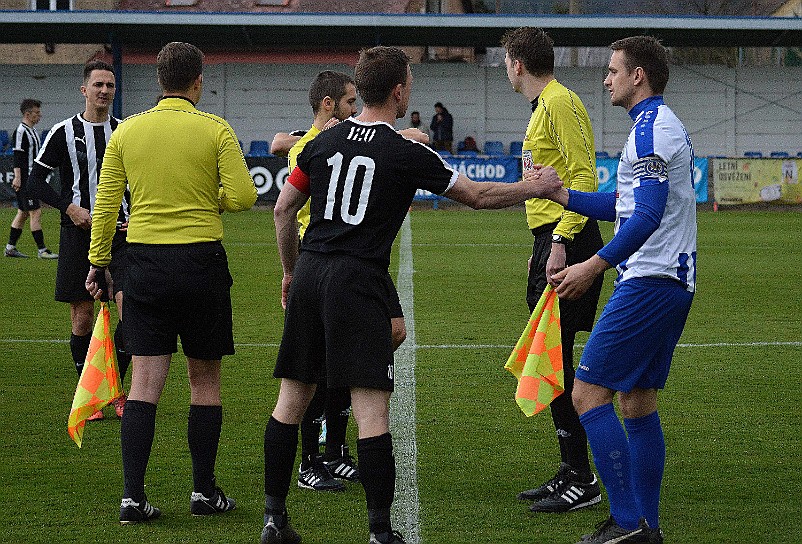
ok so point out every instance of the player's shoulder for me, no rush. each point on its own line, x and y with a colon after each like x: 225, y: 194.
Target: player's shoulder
x: 61, y: 125
x: 57, y: 135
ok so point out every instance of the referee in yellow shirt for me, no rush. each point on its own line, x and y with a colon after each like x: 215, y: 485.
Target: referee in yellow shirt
x: 559, y: 135
x: 184, y: 167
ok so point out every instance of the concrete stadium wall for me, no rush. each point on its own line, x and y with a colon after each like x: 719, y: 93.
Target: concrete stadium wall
x: 726, y: 111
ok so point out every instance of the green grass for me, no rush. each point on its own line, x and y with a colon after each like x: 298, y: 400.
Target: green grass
x: 731, y: 413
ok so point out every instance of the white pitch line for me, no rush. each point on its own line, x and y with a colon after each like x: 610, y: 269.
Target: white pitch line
x: 406, y: 507
x: 681, y: 345
x: 444, y: 346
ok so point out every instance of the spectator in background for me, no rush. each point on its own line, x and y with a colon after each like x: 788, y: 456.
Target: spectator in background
x: 442, y: 129
x: 415, y: 122
x: 468, y: 144
x: 26, y: 146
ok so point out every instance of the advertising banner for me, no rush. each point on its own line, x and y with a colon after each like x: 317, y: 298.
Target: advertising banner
x: 268, y: 173
x: 749, y: 181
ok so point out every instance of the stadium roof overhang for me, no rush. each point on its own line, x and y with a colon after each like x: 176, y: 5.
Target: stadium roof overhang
x: 249, y: 30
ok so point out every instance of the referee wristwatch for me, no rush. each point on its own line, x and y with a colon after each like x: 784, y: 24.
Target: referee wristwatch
x: 558, y: 239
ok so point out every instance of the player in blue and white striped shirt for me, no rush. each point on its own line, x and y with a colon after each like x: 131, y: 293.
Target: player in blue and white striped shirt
x: 654, y: 250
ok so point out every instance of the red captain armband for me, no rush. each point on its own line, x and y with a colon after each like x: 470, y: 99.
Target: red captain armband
x: 299, y: 180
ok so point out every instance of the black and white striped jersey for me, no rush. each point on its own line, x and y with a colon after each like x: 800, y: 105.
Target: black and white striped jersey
x: 76, y: 147
x: 26, y: 148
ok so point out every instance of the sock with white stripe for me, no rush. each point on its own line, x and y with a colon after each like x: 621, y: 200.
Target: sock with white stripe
x: 610, y: 448
x: 337, y: 402
x: 310, y: 427
x: 647, y: 450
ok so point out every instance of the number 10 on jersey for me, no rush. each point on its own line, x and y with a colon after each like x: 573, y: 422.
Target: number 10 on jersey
x: 336, y: 163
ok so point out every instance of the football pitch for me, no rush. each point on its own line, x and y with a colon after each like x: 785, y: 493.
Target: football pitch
x: 730, y: 411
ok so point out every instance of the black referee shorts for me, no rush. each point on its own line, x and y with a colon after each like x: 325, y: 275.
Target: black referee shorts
x: 575, y: 315
x: 73, y: 263
x: 337, y: 323
x: 178, y: 290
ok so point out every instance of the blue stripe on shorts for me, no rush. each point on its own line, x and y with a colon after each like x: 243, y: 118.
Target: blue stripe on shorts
x: 632, y: 344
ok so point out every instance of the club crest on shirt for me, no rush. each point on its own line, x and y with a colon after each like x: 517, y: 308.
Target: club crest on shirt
x: 526, y: 160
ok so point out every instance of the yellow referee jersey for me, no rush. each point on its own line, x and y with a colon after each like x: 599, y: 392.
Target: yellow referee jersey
x: 560, y: 135
x: 183, y: 167
x: 303, y: 213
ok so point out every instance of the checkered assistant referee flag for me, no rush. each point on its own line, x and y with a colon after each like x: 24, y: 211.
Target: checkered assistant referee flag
x: 99, y: 383
x: 537, y: 360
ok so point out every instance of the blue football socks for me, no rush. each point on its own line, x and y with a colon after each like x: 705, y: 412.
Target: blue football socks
x: 610, y: 448
x: 647, y: 451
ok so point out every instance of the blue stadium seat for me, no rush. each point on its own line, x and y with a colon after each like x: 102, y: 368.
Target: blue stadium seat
x: 259, y: 148
x: 753, y: 154
x: 5, y: 140
x: 799, y: 155
x: 780, y: 154
x: 43, y: 135
x: 516, y: 148
x: 468, y: 153
x: 444, y: 152
x: 494, y: 148
x: 602, y: 155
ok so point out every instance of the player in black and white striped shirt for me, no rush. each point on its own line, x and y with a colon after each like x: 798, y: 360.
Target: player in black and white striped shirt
x: 26, y: 147
x: 76, y: 147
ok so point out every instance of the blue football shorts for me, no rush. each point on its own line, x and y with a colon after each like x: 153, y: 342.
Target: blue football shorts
x: 633, y: 342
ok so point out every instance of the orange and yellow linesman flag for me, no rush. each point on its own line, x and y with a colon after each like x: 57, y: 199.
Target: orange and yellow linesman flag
x: 99, y: 383
x: 537, y: 360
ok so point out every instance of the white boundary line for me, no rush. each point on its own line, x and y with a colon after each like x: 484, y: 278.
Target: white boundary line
x: 406, y: 507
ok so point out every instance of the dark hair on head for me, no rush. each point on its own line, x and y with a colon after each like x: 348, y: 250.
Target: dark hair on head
x: 93, y: 65
x: 533, y: 47
x: 648, y: 53
x: 378, y: 71
x: 178, y: 65
x: 29, y: 104
x: 328, y: 83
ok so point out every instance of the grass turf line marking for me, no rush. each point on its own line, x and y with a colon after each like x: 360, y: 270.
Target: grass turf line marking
x: 444, y: 346
x: 406, y: 507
